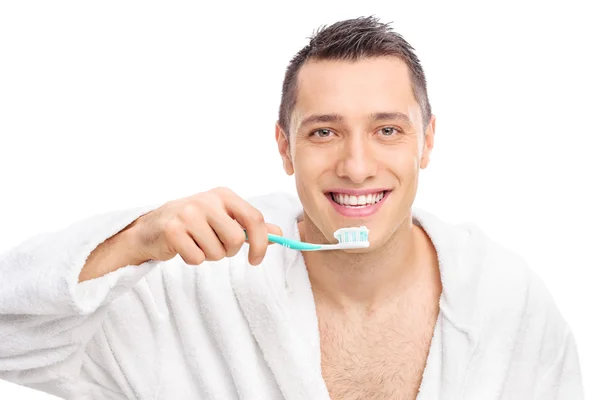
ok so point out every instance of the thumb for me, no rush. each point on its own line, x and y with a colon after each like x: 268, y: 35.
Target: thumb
x: 274, y: 229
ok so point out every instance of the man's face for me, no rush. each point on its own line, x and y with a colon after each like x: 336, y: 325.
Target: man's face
x: 356, y: 146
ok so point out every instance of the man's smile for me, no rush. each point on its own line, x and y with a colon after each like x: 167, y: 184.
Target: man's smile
x: 357, y: 203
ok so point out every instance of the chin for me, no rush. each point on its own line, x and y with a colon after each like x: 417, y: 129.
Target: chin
x: 365, y: 250
x: 359, y: 251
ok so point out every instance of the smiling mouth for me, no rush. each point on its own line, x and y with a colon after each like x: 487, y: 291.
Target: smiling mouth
x: 362, y: 201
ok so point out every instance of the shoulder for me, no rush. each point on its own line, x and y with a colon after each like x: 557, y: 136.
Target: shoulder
x: 509, y: 279
x: 513, y: 299
x: 518, y: 314
x: 485, y: 283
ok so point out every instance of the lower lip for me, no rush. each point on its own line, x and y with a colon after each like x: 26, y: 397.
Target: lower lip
x: 357, y: 212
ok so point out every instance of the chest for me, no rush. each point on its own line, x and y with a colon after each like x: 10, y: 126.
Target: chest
x: 376, y: 359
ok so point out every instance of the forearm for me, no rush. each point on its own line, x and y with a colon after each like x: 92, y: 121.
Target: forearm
x: 46, y: 315
x: 115, y: 252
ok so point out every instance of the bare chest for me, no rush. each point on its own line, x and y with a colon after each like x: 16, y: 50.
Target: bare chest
x: 378, y: 360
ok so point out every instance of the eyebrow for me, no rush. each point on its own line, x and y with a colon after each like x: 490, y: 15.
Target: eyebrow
x: 374, y: 117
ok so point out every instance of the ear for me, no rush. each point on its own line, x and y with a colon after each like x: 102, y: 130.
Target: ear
x: 283, y: 144
x: 428, y: 143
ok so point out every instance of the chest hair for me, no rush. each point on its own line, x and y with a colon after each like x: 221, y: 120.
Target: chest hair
x: 376, y: 358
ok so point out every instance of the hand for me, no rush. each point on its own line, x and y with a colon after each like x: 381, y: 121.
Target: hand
x: 205, y: 226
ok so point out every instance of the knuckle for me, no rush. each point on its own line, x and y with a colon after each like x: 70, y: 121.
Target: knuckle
x: 207, y: 202
x: 188, y: 212
x: 222, y: 190
x: 196, y: 197
x: 236, y: 238
x: 231, y: 251
x: 221, y: 253
x: 195, y: 259
x: 258, y: 249
x: 171, y: 229
x: 216, y: 254
x: 235, y: 242
x: 257, y: 217
x: 239, y: 238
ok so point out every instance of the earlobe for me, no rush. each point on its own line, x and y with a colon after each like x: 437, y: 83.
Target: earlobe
x: 288, y: 167
x: 428, y: 143
x: 424, y: 161
x: 284, y: 149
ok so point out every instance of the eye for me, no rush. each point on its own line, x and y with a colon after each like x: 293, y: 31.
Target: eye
x: 389, y: 131
x: 322, y: 133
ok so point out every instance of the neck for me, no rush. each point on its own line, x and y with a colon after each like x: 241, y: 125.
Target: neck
x: 365, y: 279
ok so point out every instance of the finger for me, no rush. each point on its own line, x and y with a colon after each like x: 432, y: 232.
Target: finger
x: 257, y: 239
x: 274, y: 230
x: 253, y: 221
x: 207, y: 240
x: 229, y: 232
x: 187, y: 248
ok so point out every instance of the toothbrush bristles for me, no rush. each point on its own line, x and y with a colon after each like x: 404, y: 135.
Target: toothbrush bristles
x: 352, y: 235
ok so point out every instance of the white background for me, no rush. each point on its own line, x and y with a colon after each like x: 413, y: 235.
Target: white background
x: 107, y: 105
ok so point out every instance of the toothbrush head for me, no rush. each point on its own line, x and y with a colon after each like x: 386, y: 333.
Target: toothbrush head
x: 353, y: 238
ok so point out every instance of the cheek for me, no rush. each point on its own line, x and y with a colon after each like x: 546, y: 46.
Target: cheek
x: 402, y: 162
x: 310, y: 163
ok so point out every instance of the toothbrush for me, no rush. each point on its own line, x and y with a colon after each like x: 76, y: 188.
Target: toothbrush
x: 348, y: 238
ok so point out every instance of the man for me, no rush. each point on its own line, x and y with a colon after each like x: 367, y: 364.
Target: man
x: 112, y: 307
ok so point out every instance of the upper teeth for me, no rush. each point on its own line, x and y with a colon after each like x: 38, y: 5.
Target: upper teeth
x: 348, y: 200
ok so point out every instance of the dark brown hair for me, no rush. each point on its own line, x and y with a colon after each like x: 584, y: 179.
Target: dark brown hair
x: 352, y: 40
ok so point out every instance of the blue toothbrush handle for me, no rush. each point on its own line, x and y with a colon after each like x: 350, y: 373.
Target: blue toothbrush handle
x: 290, y: 243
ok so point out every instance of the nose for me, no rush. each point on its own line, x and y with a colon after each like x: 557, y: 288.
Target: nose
x: 357, y: 160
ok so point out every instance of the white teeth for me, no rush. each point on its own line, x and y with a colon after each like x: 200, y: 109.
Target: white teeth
x: 358, y: 201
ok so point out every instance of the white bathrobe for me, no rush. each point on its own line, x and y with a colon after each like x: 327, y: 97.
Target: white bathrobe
x: 227, y: 330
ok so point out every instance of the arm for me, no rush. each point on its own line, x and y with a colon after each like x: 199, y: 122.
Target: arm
x: 46, y: 314
x: 559, y: 373
x: 55, y: 289
x: 114, y: 253
x: 562, y: 379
